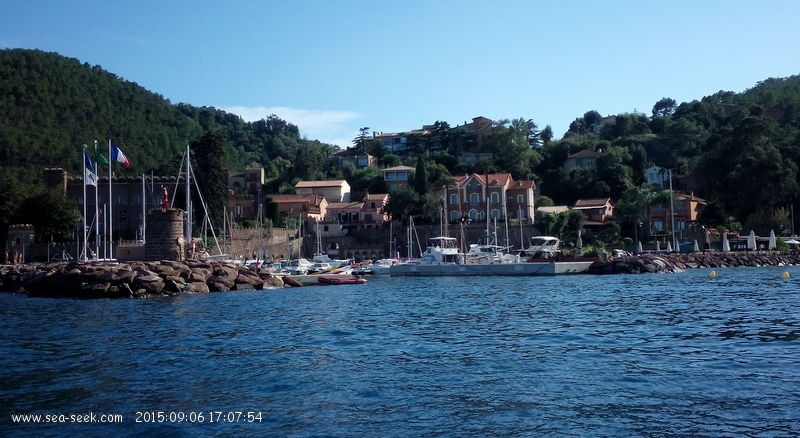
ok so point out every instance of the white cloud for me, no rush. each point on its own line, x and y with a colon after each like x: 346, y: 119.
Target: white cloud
x: 327, y: 126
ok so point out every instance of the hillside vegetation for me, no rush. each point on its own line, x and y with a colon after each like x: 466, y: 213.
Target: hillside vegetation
x: 739, y: 151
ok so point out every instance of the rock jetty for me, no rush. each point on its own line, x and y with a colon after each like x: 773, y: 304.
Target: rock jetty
x: 134, y: 279
x: 677, y: 262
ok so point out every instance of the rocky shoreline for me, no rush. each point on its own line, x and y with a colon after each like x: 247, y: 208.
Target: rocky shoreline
x: 164, y: 278
x: 134, y: 279
x: 677, y: 262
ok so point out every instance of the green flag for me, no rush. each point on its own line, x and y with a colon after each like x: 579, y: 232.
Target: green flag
x: 99, y: 157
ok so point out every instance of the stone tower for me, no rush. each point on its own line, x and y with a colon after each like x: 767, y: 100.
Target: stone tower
x: 164, y: 235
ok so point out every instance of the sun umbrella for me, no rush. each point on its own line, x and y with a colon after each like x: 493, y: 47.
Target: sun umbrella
x: 579, y: 241
x: 751, y: 241
x: 726, y: 246
x: 772, y: 243
x: 669, y: 247
x: 658, y: 246
x: 639, y: 247
x: 696, y: 246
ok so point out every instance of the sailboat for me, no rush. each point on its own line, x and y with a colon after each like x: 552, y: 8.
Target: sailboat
x: 207, y: 226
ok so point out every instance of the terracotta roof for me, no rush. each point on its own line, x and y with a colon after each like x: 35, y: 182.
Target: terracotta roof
x: 586, y: 153
x: 589, y: 203
x: 376, y: 196
x: 495, y: 178
x: 288, y: 199
x: 396, y: 168
x: 334, y: 183
x: 344, y: 205
x: 525, y: 184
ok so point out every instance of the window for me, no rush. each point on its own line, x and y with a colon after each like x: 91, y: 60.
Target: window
x: 495, y: 197
x: 520, y: 199
x: 454, y: 216
x: 657, y: 225
x: 453, y: 199
x: 495, y: 214
x: 474, y: 199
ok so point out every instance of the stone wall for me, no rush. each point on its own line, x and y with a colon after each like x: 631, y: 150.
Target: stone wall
x: 164, y: 235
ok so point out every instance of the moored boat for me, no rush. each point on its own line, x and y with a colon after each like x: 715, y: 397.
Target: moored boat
x: 442, y: 258
x: 378, y: 267
x: 341, y: 279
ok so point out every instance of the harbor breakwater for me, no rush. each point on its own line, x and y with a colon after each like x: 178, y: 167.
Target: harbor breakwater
x: 677, y: 262
x: 134, y: 279
x: 164, y: 278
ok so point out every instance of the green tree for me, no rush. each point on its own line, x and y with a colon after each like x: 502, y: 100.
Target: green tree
x: 52, y: 214
x: 544, y: 201
x: 361, y: 140
x: 420, y: 178
x: 664, y: 107
x: 613, y: 169
x: 713, y: 214
x: 404, y: 203
x: 391, y: 160
x: 12, y: 193
x: 209, y: 154
x: 764, y: 221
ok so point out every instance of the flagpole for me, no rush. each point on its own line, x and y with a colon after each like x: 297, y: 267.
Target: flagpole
x: 144, y: 211
x: 110, y: 207
x: 83, y: 160
x: 96, y: 211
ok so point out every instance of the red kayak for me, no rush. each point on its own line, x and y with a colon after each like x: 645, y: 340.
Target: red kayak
x: 341, y: 279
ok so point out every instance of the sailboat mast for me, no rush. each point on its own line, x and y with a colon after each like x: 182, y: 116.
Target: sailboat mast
x: 110, y: 207
x: 188, y: 229
x: 144, y: 210
x: 83, y: 159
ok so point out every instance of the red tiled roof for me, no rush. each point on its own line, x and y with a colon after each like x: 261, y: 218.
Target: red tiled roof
x: 335, y: 183
x: 586, y: 203
x: 586, y: 153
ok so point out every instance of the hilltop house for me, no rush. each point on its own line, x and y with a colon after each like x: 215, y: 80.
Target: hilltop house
x: 365, y: 214
x: 584, y: 158
x: 333, y: 191
x: 397, y: 177
x: 304, y: 207
x: 687, y: 211
x: 596, y: 211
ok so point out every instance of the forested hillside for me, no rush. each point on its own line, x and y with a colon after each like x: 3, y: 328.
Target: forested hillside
x: 739, y: 151
x: 51, y: 105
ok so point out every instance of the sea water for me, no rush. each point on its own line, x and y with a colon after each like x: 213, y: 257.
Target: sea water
x: 686, y: 354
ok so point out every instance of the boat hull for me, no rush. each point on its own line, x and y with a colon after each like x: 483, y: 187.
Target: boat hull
x: 498, y: 269
x: 340, y: 279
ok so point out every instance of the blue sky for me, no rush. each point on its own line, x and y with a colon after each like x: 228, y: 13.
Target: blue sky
x: 332, y: 67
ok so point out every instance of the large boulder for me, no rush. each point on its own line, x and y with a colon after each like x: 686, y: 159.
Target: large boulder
x: 151, y: 283
x: 247, y: 280
x: 199, y: 287
x: 200, y: 274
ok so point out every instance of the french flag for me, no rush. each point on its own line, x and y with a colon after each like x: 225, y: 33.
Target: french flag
x: 118, y: 156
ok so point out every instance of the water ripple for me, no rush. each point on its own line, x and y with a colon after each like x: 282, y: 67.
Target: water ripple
x: 646, y: 355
